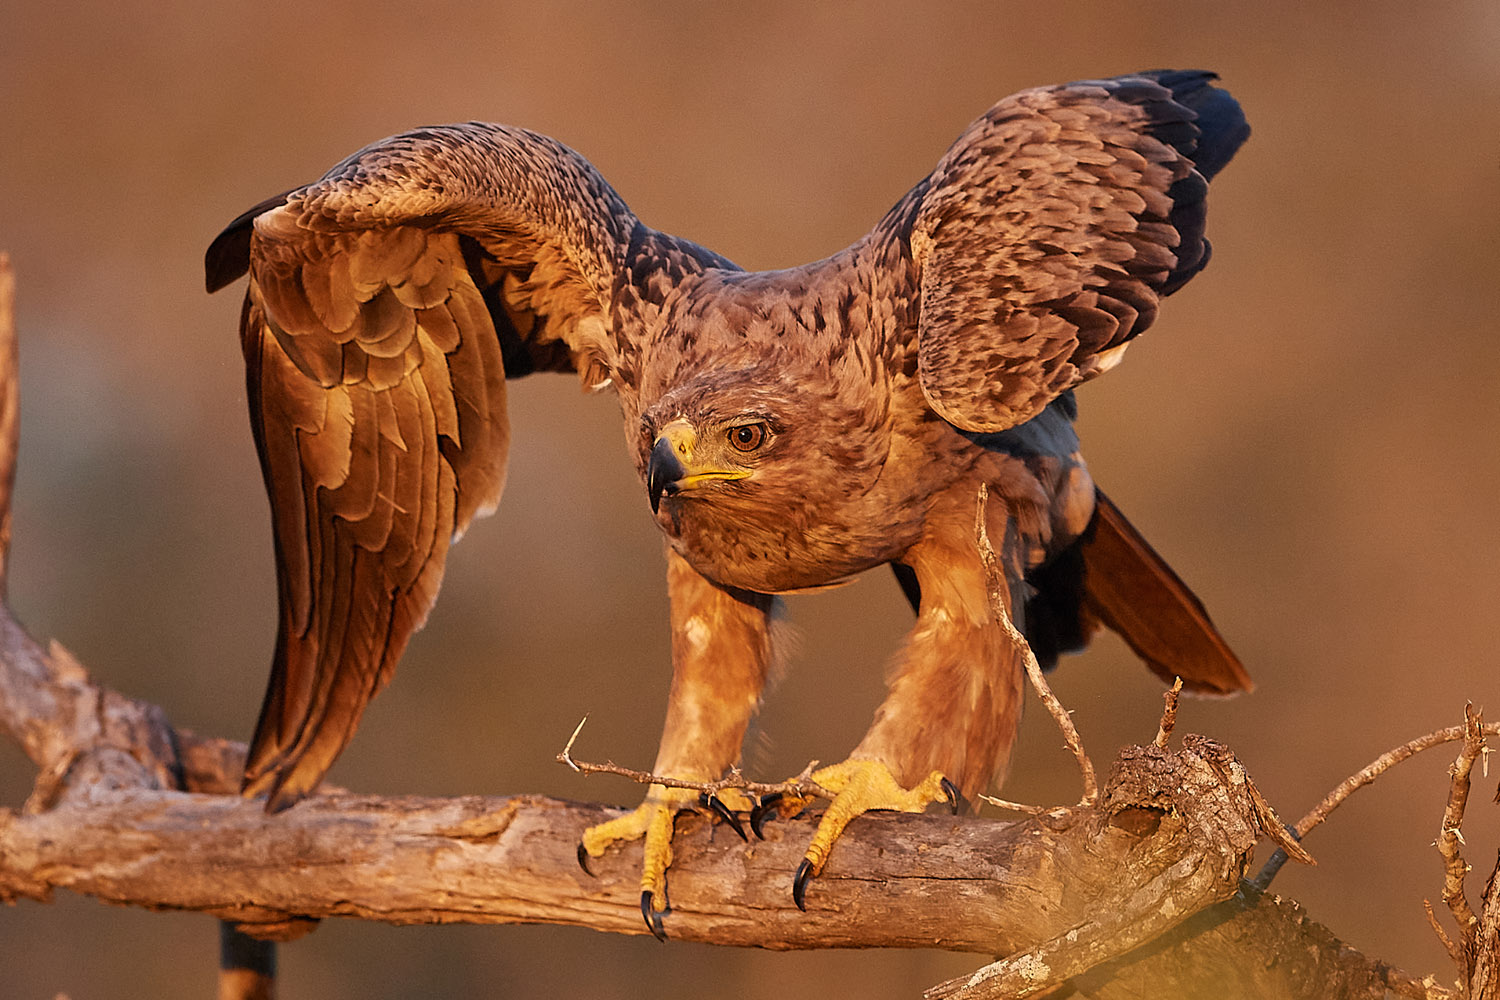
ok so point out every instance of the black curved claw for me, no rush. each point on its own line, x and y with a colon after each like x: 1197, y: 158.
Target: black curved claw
x: 583, y: 860
x: 724, y: 813
x: 799, y: 884
x: 764, y: 807
x: 653, y: 918
x: 951, y: 790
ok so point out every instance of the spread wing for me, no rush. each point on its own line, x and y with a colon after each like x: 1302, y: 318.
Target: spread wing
x: 385, y: 305
x: 1051, y: 228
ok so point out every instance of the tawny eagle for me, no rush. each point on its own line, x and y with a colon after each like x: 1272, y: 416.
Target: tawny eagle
x: 791, y: 428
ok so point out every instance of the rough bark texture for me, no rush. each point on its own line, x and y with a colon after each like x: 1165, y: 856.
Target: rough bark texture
x: 894, y: 881
x: 1264, y: 946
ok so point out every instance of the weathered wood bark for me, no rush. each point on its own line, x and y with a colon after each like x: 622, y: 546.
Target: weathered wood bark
x: 1262, y: 946
x: 895, y: 881
x: 1113, y: 877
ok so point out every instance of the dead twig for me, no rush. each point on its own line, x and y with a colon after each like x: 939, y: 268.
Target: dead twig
x: 995, y: 580
x: 1021, y: 807
x: 1170, y: 697
x: 10, y: 413
x: 1379, y: 766
x: 1450, y: 842
x: 1453, y: 948
x: 802, y: 785
x: 1359, y: 780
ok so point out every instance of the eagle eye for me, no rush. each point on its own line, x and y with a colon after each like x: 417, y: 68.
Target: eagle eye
x: 747, y: 437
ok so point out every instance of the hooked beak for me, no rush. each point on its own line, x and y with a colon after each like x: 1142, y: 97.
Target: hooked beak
x: 671, y: 469
x: 663, y: 471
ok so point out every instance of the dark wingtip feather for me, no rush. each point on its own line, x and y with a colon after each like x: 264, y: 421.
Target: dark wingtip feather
x: 228, y: 256
x: 1221, y: 122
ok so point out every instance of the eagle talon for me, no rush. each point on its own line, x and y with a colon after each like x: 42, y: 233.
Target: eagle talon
x: 583, y: 860
x: 763, y: 808
x: 804, y: 875
x: 954, y: 798
x: 653, y: 917
x: 775, y: 804
x: 719, y: 809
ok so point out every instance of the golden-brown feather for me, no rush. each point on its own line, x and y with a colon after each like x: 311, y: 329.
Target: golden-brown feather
x: 1132, y: 590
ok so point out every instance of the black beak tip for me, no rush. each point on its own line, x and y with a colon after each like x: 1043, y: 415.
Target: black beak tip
x: 662, y: 473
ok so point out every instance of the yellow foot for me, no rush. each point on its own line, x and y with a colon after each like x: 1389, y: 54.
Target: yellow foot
x: 652, y: 820
x: 860, y: 786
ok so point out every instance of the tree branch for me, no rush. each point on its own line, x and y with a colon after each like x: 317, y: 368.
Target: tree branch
x: 1172, y: 820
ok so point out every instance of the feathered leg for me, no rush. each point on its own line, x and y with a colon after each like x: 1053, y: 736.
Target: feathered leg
x: 950, y: 718
x: 721, y: 654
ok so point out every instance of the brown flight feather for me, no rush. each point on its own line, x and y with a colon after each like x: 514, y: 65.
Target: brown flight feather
x: 1133, y: 591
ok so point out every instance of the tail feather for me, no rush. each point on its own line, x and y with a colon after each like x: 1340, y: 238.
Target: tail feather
x: 1132, y: 590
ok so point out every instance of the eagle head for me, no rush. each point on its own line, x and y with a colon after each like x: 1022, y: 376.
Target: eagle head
x: 681, y: 461
x: 717, y: 439
x: 760, y: 476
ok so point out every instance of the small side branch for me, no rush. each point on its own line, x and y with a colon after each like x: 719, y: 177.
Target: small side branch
x: 1168, y: 714
x: 1360, y: 779
x: 802, y: 785
x: 1472, y: 951
x: 10, y: 410
x: 1379, y: 766
x: 996, y: 586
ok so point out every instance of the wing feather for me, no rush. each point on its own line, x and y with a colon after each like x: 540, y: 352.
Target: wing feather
x: 1048, y: 233
x: 377, y: 390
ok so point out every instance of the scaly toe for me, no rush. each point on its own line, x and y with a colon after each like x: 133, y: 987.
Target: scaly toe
x: 652, y: 823
x: 860, y: 786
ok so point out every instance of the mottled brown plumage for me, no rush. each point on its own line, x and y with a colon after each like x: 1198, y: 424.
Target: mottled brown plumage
x: 793, y: 428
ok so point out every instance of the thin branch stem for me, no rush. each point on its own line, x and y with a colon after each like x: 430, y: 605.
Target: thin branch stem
x: 1020, y: 807
x: 802, y: 785
x: 995, y: 580
x: 1170, y: 697
x: 1354, y: 783
x: 1449, y: 945
x: 1450, y: 842
x: 1379, y: 766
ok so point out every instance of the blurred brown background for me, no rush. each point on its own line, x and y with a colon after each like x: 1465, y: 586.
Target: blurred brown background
x: 1308, y: 434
